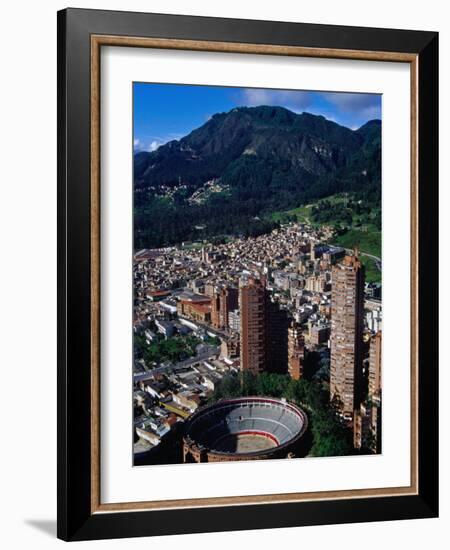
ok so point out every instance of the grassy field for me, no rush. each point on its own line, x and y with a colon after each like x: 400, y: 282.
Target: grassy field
x: 367, y: 241
x: 304, y: 212
x: 373, y: 275
x: 301, y: 213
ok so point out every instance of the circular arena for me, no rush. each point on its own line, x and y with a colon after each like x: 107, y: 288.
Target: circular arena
x: 245, y: 428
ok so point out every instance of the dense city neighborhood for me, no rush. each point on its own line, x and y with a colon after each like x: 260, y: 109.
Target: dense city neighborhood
x: 285, y: 303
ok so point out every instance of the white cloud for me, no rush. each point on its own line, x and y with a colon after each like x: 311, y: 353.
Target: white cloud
x: 349, y: 101
x: 341, y: 107
x: 291, y: 99
x: 364, y: 105
x: 151, y: 143
x: 154, y: 145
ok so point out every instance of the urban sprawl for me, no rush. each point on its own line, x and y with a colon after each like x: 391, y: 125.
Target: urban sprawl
x: 204, y: 311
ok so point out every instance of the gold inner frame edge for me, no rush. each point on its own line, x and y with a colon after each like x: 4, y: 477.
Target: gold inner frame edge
x: 97, y: 41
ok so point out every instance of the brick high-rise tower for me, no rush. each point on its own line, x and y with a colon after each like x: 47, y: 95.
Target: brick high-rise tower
x: 229, y: 301
x: 375, y: 368
x: 296, y: 351
x: 263, y: 330
x: 223, y: 301
x: 215, y: 309
x: 252, y: 304
x: 347, y: 309
x: 276, y: 338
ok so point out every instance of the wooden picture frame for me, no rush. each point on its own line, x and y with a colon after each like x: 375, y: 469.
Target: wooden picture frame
x: 81, y: 35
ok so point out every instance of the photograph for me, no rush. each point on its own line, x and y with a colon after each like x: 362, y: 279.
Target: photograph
x: 227, y: 228
x: 257, y: 274
x: 247, y: 273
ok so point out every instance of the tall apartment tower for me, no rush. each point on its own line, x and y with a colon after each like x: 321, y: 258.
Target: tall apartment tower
x: 375, y: 368
x: 263, y: 330
x: 276, y: 338
x: 229, y: 301
x: 223, y: 301
x: 252, y: 305
x: 347, y: 310
x: 215, y: 309
x: 296, y: 351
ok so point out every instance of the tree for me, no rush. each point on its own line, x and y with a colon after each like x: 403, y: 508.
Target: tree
x: 229, y: 386
x: 331, y: 437
x: 271, y: 384
x: 173, y: 349
x: 248, y: 383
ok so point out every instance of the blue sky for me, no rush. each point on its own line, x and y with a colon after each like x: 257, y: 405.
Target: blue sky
x: 163, y: 112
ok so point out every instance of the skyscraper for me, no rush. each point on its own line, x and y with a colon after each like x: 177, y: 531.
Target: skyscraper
x: 296, y: 351
x: 229, y: 301
x: 367, y: 427
x: 263, y: 330
x: 375, y: 368
x: 215, y: 309
x: 223, y: 301
x: 252, y: 304
x: 276, y: 338
x: 347, y: 309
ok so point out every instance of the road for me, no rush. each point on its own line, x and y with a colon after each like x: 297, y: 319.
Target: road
x: 210, y: 351
x: 216, y: 331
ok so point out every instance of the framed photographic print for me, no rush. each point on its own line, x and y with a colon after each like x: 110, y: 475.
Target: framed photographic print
x: 247, y: 274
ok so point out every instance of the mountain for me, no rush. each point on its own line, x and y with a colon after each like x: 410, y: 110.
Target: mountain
x: 249, y: 161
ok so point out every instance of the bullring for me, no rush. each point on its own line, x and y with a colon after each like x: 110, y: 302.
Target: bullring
x: 244, y: 428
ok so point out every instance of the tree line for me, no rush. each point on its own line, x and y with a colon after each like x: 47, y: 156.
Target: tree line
x: 331, y: 437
